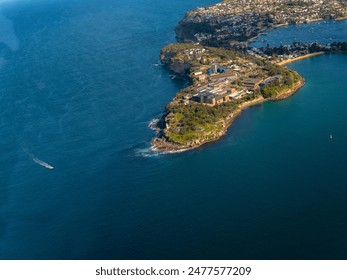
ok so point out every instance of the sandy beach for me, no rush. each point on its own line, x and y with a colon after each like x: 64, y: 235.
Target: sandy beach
x: 285, y: 62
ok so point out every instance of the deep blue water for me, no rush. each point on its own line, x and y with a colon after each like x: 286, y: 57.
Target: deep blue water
x: 79, y: 83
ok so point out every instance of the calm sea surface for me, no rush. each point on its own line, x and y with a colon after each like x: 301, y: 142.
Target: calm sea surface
x: 79, y: 83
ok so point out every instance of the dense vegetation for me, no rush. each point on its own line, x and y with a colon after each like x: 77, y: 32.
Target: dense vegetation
x: 273, y: 89
x: 192, y: 121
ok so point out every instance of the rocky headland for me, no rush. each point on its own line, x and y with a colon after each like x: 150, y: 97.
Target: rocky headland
x: 225, y: 74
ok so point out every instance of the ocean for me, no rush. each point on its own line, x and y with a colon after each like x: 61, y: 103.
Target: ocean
x: 80, y: 82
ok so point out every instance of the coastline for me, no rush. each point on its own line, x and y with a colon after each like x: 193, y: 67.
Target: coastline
x: 168, y: 147
x: 289, y: 92
x: 166, y: 142
x: 162, y: 145
x: 288, y: 61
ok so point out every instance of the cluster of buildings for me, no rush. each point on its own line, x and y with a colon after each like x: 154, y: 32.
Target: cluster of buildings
x: 194, y: 53
x: 226, y: 86
x: 287, y: 52
x: 217, y: 76
x: 221, y: 87
x: 211, y: 95
x: 243, y: 19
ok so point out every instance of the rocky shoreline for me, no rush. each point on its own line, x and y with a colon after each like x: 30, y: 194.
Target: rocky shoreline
x: 289, y: 92
x: 163, y: 145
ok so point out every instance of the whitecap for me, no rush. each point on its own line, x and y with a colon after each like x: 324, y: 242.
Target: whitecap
x: 153, y: 124
x: 146, y: 152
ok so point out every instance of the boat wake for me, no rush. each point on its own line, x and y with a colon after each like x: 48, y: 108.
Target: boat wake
x: 37, y: 160
x: 42, y: 163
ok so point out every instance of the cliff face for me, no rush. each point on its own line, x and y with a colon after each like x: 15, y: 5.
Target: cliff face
x: 166, y: 56
x: 179, y: 67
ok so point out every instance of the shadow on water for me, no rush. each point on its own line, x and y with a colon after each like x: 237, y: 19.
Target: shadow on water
x: 9, y: 44
x: 8, y: 161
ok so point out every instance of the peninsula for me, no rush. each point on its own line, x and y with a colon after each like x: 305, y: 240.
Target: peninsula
x: 225, y: 74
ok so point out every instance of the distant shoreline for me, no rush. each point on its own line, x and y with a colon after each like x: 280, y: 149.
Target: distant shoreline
x: 251, y: 40
x: 310, y: 21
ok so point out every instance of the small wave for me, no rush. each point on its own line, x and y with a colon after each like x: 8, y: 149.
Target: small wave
x: 155, y: 150
x: 146, y: 152
x: 153, y: 124
x: 158, y: 64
